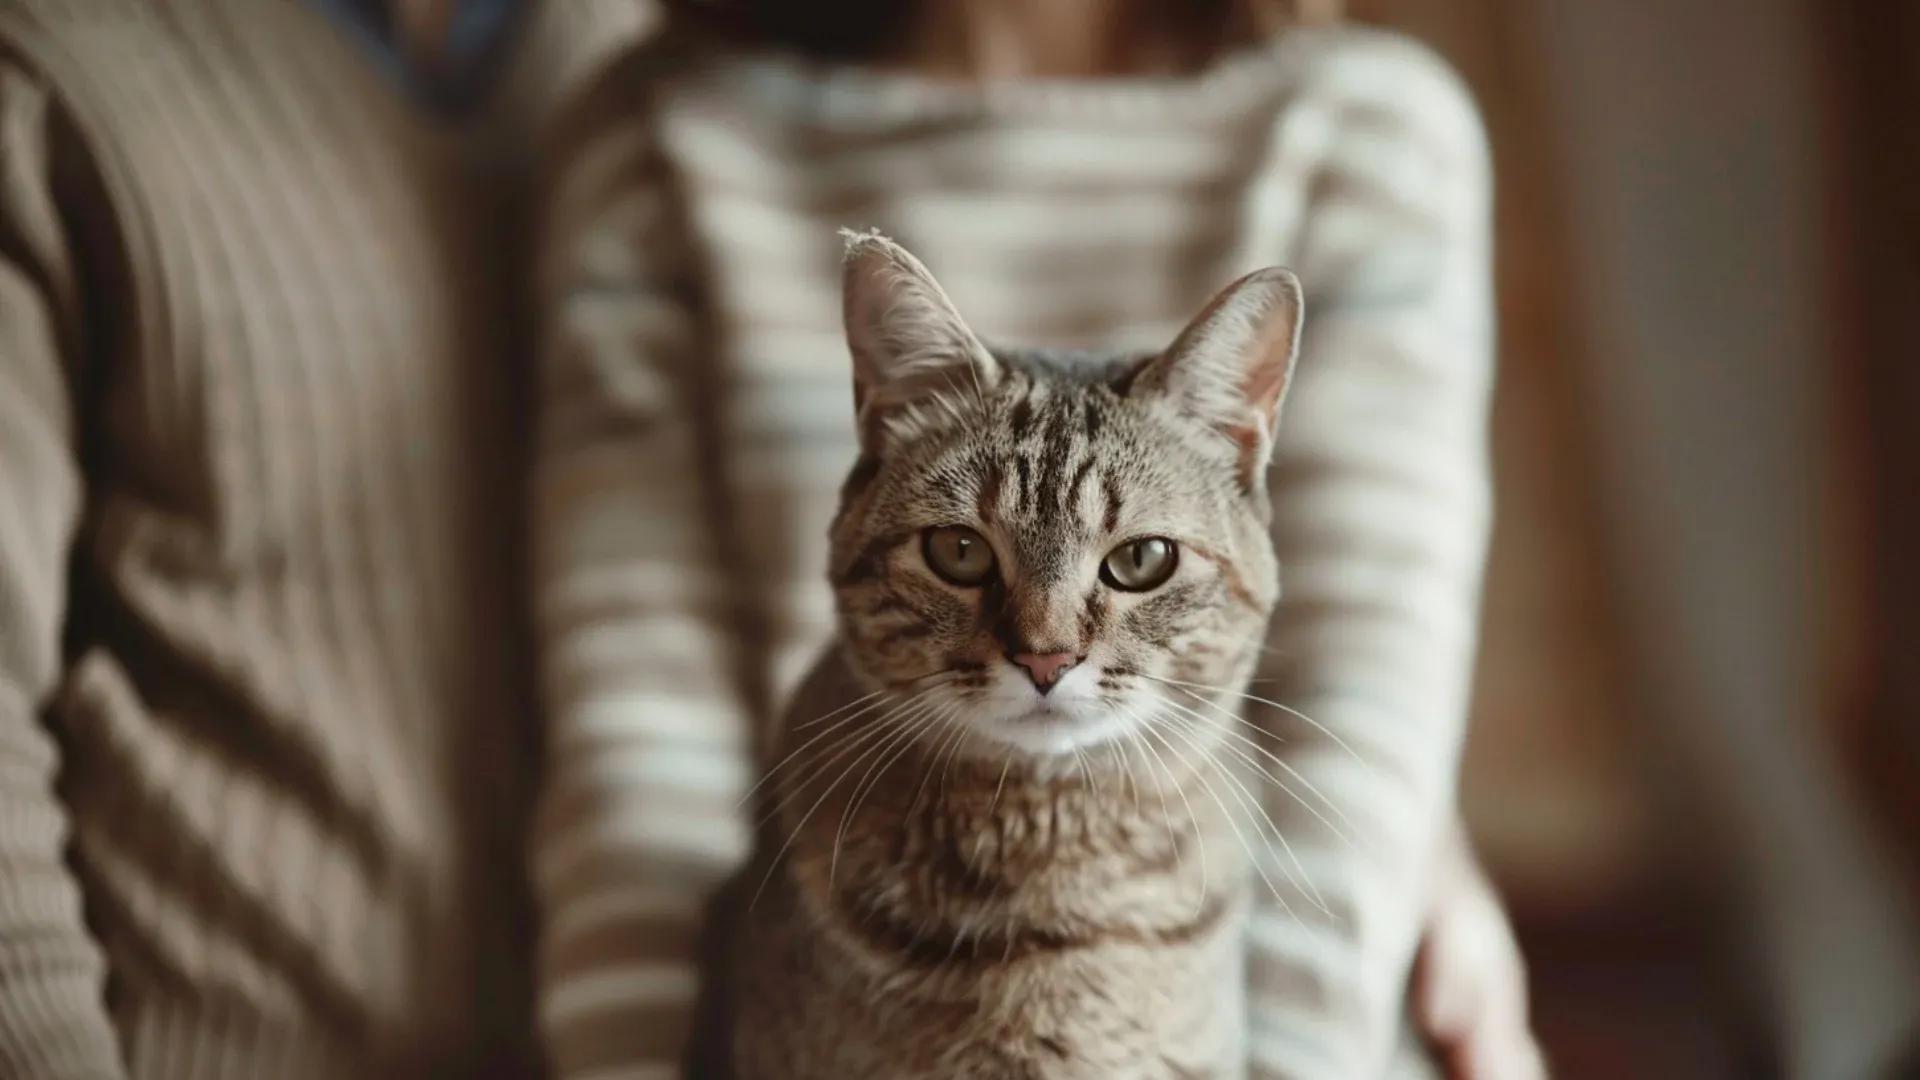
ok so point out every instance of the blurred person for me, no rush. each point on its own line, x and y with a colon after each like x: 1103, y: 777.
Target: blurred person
x: 263, y: 733
x: 1080, y: 173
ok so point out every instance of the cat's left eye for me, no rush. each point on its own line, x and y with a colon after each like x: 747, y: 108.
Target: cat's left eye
x: 959, y: 554
x: 1139, y: 565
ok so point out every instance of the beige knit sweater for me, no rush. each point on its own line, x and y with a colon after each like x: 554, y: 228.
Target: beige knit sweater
x: 264, y: 748
x: 696, y: 421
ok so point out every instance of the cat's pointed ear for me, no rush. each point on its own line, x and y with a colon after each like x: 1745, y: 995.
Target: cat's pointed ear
x: 908, y: 342
x: 1230, y: 367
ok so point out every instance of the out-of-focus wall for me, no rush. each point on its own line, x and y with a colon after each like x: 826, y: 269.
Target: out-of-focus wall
x: 1700, y: 173
x: 1656, y: 763
x: 1874, y: 65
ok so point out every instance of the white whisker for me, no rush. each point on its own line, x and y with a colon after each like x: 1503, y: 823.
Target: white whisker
x: 997, y: 788
x: 875, y: 728
x: 1086, y: 772
x: 1298, y: 876
x: 823, y: 719
x: 1153, y: 731
x: 1288, y: 709
x: 1228, y: 731
x: 949, y: 744
x: 1119, y: 753
x: 796, y: 751
x: 1166, y: 815
x: 904, y: 740
x: 798, y: 828
x: 1145, y: 727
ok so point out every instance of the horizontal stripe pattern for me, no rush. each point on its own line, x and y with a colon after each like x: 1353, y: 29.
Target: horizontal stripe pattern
x: 686, y: 483
x: 265, y: 726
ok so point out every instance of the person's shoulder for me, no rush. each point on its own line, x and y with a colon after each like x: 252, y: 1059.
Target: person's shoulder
x: 50, y: 36
x: 570, y: 50
x: 625, y: 86
x: 66, y: 14
x: 1369, y: 79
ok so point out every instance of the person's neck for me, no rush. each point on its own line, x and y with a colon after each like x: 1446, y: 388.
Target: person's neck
x: 1013, y: 39
x: 420, y: 30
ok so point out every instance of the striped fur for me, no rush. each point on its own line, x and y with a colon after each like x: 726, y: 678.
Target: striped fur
x: 966, y: 875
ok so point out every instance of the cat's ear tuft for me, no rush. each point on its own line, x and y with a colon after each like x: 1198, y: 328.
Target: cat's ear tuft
x: 908, y: 342
x: 1231, y: 365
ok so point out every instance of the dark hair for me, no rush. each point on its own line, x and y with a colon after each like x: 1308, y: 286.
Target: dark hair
x: 855, y: 30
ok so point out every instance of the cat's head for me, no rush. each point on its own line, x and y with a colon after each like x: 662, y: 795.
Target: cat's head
x: 1050, y: 549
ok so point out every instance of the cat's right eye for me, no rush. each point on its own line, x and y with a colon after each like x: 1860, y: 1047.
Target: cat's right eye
x: 1140, y: 565
x: 959, y: 555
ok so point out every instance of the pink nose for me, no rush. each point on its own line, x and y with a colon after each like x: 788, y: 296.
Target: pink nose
x: 1045, y: 669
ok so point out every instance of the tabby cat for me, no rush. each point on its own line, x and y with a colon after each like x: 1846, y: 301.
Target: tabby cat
x: 999, y: 836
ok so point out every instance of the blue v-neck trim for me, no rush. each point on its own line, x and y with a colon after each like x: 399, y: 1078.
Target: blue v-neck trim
x: 476, y: 44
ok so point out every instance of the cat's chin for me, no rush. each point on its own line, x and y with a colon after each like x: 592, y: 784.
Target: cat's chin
x: 1050, y: 731
x: 1071, y: 718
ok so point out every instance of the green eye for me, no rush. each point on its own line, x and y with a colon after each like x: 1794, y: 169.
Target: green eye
x: 1139, y: 565
x: 959, y: 555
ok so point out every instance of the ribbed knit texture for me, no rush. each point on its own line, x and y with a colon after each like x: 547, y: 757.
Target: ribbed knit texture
x: 264, y: 747
x: 697, y: 422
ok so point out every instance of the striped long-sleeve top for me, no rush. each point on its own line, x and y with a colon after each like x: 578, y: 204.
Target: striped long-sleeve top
x: 696, y: 421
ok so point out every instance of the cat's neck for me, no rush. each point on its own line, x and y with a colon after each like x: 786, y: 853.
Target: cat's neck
x: 896, y: 830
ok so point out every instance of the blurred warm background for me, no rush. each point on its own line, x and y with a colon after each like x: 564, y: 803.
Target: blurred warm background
x: 1693, y: 766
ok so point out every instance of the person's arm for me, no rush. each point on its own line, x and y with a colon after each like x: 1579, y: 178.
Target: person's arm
x: 53, y: 1015
x: 1381, y: 502
x: 1469, y: 992
x: 647, y: 730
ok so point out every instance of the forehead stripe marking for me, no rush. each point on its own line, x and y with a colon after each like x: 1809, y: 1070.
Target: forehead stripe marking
x: 1058, y: 449
x: 988, y: 502
x: 1079, y: 478
x: 1112, y: 490
x: 1022, y: 415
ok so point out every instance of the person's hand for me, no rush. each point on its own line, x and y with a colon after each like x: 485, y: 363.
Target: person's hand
x: 1469, y: 981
